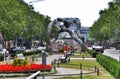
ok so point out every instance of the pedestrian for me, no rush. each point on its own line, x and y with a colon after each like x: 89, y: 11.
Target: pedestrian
x: 65, y: 48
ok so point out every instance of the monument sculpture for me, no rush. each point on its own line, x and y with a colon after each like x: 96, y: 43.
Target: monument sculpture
x: 64, y: 25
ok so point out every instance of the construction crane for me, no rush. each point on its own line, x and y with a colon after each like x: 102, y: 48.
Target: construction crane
x: 33, y: 1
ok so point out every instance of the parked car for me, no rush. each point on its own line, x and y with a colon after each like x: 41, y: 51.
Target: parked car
x: 20, y: 56
x: 98, y: 48
x: 4, y: 52
x: 17, y: 49
x: 41, y: 48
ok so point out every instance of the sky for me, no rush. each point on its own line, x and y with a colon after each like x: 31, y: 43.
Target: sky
x: 86, y: 10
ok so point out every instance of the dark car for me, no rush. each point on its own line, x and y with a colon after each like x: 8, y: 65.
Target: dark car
x: 17, y: 49
x: 98, y: 48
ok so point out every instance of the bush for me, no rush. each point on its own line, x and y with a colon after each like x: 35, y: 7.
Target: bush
x: 111, y: 65
x: 20, y: 62
x: 1, y: 57
x: 26, y: 53
x: 61, y: 50
x: 92, y: 53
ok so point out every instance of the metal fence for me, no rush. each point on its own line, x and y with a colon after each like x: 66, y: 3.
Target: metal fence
x: 56, y: 63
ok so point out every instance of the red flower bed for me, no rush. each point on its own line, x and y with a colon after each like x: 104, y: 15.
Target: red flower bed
x: 33, y: 67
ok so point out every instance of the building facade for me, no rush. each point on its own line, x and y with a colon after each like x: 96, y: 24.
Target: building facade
x: 84, y: 32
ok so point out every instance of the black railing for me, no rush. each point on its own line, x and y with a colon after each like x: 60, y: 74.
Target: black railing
x: 56, y: 63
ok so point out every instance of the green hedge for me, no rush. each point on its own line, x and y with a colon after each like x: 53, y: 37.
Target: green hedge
x: 110, y: 64
x: 1, y: 57
x: 31, y: 53
x: 92, y: 53
x: 26, y: 53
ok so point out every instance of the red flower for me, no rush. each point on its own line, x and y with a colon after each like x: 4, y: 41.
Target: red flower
x: 31, y: 67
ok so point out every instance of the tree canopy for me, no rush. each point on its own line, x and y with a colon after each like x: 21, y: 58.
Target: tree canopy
x: 17, y: 18
x: 108, y: 24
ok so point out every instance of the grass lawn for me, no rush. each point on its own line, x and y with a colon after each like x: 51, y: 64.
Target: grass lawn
x: 76, y: 64
x: 81, y: 54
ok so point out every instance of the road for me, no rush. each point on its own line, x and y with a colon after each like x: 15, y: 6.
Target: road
x: 112, y: 52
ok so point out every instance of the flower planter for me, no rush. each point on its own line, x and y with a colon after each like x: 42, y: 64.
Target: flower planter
x: 8, y: 68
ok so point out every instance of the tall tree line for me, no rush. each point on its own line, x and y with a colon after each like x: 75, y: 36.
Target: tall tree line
x: 108, y: 23
x: 17, y: 19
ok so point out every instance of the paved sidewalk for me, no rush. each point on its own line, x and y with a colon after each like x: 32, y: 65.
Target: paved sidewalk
x: 63, y: 71
x: 112, y: 52
x: 49, y: 59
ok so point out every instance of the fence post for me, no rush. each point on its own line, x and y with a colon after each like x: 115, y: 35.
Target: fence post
x: 58, y: 63
x: 43, y: 75
x: 97, y: 71
x: 80, y: 66
x: 69, y: 59
x: 95, y: 68
x: 119, y: 58
x: 54, y: 68
x: 81, y: 74
x: 54, y: 61
x: 83, y: 57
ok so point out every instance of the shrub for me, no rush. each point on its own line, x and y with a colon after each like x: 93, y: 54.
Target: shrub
x: 20, y: 62
x: 26, y: 53
x: 92, y: 53
x: 1, y: 57
x: 111, y: 65
x: 61, y: 50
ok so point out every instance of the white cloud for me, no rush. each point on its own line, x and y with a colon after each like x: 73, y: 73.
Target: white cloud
x: 86, y: 10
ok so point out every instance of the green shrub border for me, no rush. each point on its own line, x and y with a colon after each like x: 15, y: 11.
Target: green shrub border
x: 24, y: 53
x: 1, y: 57
x: 92, y: 53
x: 110, y: 64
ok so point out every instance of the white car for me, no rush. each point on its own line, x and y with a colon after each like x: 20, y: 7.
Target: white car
x: 4, y: 52
x: 41, y: 48
x: 20, y: 56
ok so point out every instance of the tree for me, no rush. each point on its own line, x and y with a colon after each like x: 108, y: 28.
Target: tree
x: 105, y: 27
x: 17, y: 19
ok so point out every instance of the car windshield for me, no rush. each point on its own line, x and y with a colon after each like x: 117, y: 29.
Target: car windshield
x: 1, y: 50
x: 97, y: 44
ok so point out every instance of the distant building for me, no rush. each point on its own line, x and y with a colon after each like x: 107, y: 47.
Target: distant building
x: 84, y: 32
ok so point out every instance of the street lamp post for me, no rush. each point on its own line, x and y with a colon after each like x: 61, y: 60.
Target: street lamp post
x: 34, y: 1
